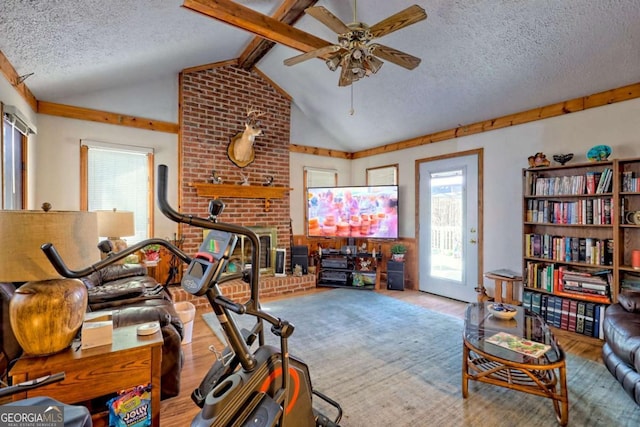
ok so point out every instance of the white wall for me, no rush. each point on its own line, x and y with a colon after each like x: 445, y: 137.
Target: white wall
x: 505, y: 155
x: 58, y: 159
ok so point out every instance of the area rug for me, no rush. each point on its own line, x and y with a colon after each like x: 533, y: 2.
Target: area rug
x: 390, y: 363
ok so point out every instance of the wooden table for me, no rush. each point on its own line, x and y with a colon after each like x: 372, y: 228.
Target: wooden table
x: 131, y: 360
x: 489, y: 363
x: 511, y: 288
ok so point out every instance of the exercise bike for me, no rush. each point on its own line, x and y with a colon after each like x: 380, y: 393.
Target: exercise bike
x: 244, y: 387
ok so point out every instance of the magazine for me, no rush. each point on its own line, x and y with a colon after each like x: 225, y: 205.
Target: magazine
x: 505, y: 272
x: 520, y: 345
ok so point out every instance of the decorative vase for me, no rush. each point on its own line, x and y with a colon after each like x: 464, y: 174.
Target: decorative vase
x: 46, y: 315
x: 397, y: 257
x: 152, y: 256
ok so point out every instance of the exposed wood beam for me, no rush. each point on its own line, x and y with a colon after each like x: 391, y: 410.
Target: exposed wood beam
x: 254, y: 22
x: 81, y: 113
x: 13, y: 78
x: 289, y: 12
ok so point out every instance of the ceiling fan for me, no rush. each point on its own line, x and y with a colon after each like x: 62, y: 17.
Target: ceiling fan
x: 356, y: 56
x: 354, y: 53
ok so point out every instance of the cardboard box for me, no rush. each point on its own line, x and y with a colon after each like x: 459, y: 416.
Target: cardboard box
x: 97, y: 329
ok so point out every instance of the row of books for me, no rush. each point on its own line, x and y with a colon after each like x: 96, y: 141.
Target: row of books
x: 630, y: 183
x: 564, y: 313
x: 587, y: 211
x: 561, y: 280
x: 569, y: 249
x: 592, y: 182
x: 630, y: 282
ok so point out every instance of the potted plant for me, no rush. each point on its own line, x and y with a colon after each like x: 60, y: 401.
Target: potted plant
x: 151, y: 253
x: 397, y: 252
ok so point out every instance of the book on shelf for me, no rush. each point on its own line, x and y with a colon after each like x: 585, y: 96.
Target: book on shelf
x: 564, y: 314
x: 573, y: 314
x: 519, y: 345
x: 580, y: 317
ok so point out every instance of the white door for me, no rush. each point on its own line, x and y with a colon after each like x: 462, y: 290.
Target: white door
x: 449, y: 227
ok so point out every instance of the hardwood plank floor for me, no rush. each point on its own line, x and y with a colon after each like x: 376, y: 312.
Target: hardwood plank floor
x: 180, y: 410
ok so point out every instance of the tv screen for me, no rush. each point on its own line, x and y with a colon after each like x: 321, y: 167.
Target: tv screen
x: 365, y: 212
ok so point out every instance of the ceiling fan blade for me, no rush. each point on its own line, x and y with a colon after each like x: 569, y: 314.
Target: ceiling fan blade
x: 313, y: 54
x: 328, y: 19
x: 394, y: 55
x: 402, y: 19
x: 245, y: 18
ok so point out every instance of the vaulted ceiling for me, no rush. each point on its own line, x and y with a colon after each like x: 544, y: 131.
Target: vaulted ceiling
x: 481, y: 59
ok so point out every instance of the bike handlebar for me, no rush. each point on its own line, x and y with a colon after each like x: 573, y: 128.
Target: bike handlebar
x: 57, y: 262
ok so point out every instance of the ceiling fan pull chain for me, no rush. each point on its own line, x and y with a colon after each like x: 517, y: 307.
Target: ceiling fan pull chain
x: 352, y: 111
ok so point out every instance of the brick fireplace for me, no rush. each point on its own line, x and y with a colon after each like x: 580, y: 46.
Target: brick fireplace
x: 214, y: 103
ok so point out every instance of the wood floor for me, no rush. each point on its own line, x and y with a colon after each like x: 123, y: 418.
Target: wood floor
x: 180, y: 410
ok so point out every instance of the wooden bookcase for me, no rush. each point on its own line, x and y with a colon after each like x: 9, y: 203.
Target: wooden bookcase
x: 562, y: 220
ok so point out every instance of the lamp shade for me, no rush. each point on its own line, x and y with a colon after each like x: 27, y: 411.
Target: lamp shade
x: 73, y: 233
x: 115, y: 224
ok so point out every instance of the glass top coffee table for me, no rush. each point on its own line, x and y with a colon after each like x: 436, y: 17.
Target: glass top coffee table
x: 520, y: 354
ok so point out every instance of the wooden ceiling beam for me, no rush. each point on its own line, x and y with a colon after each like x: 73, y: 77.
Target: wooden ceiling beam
x: 256, y: 23
x: 289, y: 12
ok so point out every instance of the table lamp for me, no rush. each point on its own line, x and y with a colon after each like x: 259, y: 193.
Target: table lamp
x: 47, y: 311
x: 114, y: 225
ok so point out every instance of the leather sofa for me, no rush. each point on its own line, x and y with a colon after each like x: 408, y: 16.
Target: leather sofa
x: 134, y: 298
x: 621, y: 349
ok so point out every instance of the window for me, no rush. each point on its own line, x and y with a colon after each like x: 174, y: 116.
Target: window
x: 383, y: 175
x: 317, y: 178
x: 13, y: 155
x: 120, y: 177
x: 320, y: 178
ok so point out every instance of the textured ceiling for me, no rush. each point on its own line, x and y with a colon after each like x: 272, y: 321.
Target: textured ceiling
x: 480, y: 58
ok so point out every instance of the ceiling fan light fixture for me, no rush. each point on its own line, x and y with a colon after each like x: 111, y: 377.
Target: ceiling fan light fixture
x: 372, y: 64
x: 333, y: 62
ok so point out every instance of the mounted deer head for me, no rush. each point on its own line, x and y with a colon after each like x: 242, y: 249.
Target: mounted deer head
x: 240, y: 149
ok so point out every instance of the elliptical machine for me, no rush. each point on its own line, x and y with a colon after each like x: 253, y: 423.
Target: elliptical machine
x: 244, y: 387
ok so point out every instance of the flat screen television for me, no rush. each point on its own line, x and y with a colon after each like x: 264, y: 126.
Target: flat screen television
x: 360, y: 212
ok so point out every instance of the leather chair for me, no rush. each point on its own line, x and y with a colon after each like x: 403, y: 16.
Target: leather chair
x: 621, y: 349
x: 134, y: 298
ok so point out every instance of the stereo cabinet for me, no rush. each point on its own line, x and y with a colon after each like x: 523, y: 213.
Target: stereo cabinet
x: 358, y: 271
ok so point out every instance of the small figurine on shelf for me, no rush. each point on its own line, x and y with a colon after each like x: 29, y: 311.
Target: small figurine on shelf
x: 268, y: 181
x: 245, y: 179
x: 538, y: 160
x: 215, y: 179
x: 562, y: 158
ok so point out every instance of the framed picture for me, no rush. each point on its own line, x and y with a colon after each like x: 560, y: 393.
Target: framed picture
x: 281, y: 256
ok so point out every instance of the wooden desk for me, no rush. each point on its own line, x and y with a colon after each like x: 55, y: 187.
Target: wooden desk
x: 131, y: 360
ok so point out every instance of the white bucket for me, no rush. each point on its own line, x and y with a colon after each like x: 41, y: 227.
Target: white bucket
x: 187, y: 313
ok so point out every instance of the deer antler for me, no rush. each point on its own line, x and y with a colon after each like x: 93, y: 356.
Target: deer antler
x: 254, y: 113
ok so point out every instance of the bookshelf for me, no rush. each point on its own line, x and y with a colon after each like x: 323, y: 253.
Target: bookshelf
x: 577, y: 240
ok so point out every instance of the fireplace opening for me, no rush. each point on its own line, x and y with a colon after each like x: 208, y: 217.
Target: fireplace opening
x: 241, y: 256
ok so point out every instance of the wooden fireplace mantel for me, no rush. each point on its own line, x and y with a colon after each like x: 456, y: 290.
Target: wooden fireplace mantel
x: 204, y: 189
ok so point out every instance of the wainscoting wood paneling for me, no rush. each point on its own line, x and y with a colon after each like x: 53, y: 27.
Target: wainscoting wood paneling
x: 411, y: 257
